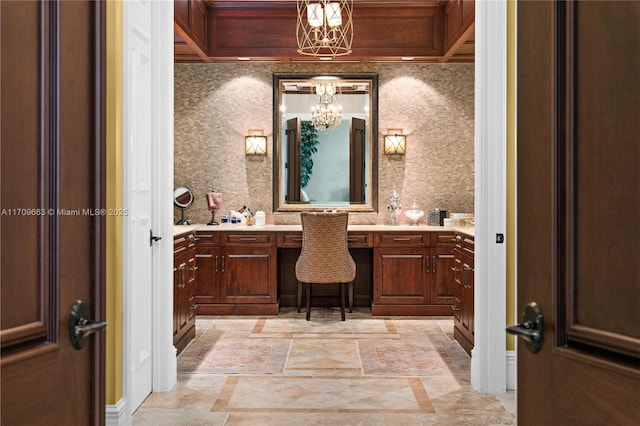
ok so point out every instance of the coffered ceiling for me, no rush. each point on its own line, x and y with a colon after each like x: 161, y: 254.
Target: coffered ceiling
x: 384, y: 31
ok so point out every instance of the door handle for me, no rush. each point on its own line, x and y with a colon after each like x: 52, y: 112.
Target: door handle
x: 80, y: 328
x: 531, y: 328
x: 153, y: 238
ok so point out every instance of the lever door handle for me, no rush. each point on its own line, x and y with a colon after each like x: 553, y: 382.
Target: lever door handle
x: 153, y: 238
x: 531, y: 328
x: 80, y: 328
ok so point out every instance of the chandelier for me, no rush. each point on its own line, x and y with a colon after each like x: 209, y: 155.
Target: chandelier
x: 327, y: 115
x: 324, y: 27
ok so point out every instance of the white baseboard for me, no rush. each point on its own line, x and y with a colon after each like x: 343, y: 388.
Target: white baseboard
x: 512, y: 370
x: 116, y: 415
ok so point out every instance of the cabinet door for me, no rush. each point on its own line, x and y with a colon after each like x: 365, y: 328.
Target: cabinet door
x: 179, y: 302
x: 458, y: 290
x: 177, y: 280
x: 467, y: 297
x: 207, y: 287
x: 190, y: 287
x: 248, y: 275
x: 400, y: 276
x: 442, y: 279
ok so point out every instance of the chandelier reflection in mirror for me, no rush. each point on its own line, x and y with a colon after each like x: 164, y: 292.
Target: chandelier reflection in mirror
x: 324, y: 27
x: 327, y: 114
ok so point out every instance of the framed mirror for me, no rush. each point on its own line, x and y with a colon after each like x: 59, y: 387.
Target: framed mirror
x: 325, y: 142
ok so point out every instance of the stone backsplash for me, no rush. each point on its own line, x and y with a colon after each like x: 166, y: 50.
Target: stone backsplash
x: 216, y: 105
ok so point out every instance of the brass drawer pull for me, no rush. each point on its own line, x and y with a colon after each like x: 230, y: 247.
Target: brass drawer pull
x: 248, y: 239
x: 401, y: 239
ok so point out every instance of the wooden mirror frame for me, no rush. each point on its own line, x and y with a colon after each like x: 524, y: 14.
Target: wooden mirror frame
x: 279, y: 188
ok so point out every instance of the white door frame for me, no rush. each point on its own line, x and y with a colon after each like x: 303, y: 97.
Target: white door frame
x: 489, y: 357
x: 164, y: 364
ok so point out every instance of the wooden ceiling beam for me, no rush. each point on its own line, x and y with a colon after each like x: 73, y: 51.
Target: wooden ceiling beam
x: 384, y: 31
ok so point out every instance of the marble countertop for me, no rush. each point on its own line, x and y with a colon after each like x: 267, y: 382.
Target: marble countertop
x: 183, y: 229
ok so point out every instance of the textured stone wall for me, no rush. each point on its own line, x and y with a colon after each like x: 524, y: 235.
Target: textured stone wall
x: 217, y: 104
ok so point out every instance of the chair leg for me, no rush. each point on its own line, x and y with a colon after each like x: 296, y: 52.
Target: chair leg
x: 308, y: 301
x: 299, y: 296
x: 350, y: 297
x: 342, y: 301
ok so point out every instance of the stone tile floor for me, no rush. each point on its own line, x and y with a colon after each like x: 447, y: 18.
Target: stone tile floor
x: 286, y: 371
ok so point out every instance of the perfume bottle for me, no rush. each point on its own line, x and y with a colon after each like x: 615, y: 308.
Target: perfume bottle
x: 394, y: 206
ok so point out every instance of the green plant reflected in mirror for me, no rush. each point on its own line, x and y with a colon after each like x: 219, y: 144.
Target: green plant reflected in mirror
x: 325, y: 142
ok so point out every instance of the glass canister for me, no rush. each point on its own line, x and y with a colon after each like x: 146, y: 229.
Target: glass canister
x: 414, y: 212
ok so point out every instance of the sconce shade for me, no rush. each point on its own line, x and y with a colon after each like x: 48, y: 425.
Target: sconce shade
x: 395, y: 144
x: 255, y: 145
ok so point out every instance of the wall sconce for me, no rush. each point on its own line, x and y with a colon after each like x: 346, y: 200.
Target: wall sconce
x: 255, y: 145
x: 395, y: 143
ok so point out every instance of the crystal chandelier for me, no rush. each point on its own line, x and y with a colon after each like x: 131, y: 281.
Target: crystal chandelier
x: 327, y: 115
x: 324, y: 27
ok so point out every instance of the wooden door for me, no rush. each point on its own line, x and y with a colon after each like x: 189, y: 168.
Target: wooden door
x: 357, y: 161
x: 292, y: 133
x: 52, y: 223
x: 578, y: 210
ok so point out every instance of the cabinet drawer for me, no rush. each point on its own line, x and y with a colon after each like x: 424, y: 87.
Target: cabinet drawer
x: 354, y: 239
x: 248, y: 238
x: 464, y: 243
x: 402, y: 240
x: 443, y: 239
x: 289, y: 239
x: 360, y: 239
x: 468, y: 244
x: 183, y: 242
x: 208, y: 238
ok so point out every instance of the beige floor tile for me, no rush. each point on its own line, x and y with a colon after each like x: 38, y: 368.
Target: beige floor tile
x: 323, y: 394
x: 285, y: 370
x: 323, y: 354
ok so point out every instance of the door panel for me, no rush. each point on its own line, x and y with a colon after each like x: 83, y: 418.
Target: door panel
x: 408, y: 263
x: 51, y: 226
x: 578, y: 209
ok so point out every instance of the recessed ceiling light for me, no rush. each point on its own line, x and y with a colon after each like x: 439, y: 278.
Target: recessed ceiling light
x: 407, y: 58
x: 244, y: 58
x: 325, y: 58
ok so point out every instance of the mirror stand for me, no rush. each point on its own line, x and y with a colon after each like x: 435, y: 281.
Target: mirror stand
x: 182, y: 220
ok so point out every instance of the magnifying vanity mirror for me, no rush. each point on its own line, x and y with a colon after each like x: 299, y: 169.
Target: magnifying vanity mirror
x: 182, y: 199
x: 325, y: 142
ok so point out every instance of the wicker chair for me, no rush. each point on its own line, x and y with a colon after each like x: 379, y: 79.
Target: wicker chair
x: 325, y: 257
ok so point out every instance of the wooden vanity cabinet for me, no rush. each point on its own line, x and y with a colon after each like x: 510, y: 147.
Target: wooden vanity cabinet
x: 239, y: 273
x: 184, y: 281
x: 463, y: 306
x: 412, y: 273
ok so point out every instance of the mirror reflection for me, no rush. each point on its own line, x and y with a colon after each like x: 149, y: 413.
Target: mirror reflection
x: 182, y: 199
x: 325, y: 127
